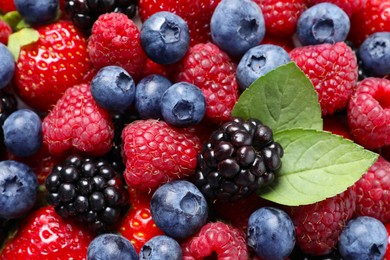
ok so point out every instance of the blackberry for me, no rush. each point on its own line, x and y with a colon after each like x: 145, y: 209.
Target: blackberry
x: 88, y: 190
x: 8, y: 104
x: 239, y: 158
x: 297, y: 254
x: 84, y: 13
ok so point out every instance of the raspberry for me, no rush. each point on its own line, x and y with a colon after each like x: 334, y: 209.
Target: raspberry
x: 197, y: 14
x: 374, y: 17
x: 156, y: 153
x: 5, y: 32
x: 115, y: 40
x: 319, y: 225
x: 337, y: 124
x: 369, y: 113
x: 349, y: 7
x: 332, y: 68
x: 224, y: 240
x: 237, y: 160
x: 77, y: 123
x: 211, y: 69
x: 284, y: 42
x: 87, y: 190
x: 281, y: 16
x: 373, y: 192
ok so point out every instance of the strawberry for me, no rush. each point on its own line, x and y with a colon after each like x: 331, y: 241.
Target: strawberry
x: 197, y: 14
x: 332, y: 68
x: 77, y: 124
x: 319, y: 225
x: 156, y: 153
x: 138, y: 225
x: 45, y: 235
x: 46, y: 68
x: 211, y: 69
x: 7, y: 6
x: 281, y: 16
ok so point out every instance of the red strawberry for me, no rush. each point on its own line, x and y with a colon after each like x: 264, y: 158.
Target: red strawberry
x: 374, y: 17
x: 156, y: 153
x: 77, y: 124
x: 115, y: 40
x: 7, y: 6
x: 333, y: 70
x: 46, y: 68
x: 225, y: 240
x: 349, y: 7
x: 45, y: 235
x: 5, y: 32
x: 138, y: 225
x: 211, y: 69
x: 369, y: 113
x: 281, y: 16
x: 373, y: 192
x: 197, y: 14
x: 319, y: 225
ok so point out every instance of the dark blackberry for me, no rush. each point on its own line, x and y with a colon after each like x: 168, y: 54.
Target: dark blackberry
x: 297, y: 254
x: 8, y: 104
x: 84, y: 13
x: 239, y: 158
x: 89, y: 190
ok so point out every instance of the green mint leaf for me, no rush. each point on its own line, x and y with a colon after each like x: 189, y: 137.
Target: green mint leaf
x: 21, y: 38
x: 316, y: 165
x: 282, y: 99
x: 12, y: 18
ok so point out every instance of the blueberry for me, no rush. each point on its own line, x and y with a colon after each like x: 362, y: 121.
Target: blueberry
x: 23, y: 132
x: 18, y: 189
x: 161, y: 248
x: 7, y: 65
x: 165, y: 37
x: 375, y: 53
x: 271, y: 233
x: 259, y: 60
x: 37, y: 11
x: 323, y: 23
x: 111, y: 247
x: 237, y: 25
x: 363, y: 238
x: 183, y: 105
x: 113, y: 89
x: 179, y: 209
x: 148, y: 95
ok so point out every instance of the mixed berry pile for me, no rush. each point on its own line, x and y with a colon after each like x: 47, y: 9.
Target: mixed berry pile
x: 123, y: 135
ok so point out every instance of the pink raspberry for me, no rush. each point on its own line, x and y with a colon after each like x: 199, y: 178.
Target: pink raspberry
x: 77, y: 124
x: 369, y: 113
x: 333, y: 70
x: 115, y: 40
x: 211, y: 69
x: 156, y: 153
x: 319, y: 225
x: 373, y: 192
x: 226, y: 241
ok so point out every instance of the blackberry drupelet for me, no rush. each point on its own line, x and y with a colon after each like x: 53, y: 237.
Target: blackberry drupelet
x: 239, y: 158
x: 88, y: 190
x: 84, y: 13
x: 8, y: 104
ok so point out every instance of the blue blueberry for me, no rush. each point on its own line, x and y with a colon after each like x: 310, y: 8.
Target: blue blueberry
x: 111, y: 247
x: 259, y: 60
x: 375, y: 53
x: 179, y: 209
x: 148, y: 95
x: 364, y: 238
x: 271, y: 233
x: 183, y: 105
x: 237, y: 25
x: 23, y: 132
x: 37, y: 11
x: 323, y: 23
x: 161, y: 248
x: 113, y: 88
x: 18, y: 189
x: 7, y: 65
x: 165, y: 37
